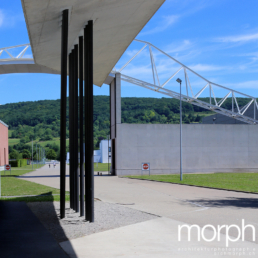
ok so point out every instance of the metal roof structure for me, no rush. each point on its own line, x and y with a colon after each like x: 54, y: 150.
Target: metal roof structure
x: 20, y: 63
x: 213, y: 103
x: 116, y: 24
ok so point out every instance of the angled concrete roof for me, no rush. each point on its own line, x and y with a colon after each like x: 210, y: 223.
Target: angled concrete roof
x: 116, y: 24
x: 24, y: 67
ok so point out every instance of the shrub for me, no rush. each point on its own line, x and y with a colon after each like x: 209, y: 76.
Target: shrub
x: 18, y: 163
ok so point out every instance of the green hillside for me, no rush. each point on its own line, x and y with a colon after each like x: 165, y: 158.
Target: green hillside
x: 40, y: 120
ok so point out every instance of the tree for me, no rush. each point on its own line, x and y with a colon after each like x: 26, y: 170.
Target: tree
x: 26, y: 154
x: 198, y: 118
x: 14, y: 154
x: 51, y: 154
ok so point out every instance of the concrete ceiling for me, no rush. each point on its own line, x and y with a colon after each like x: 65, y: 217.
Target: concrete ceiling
x: 116, y: 24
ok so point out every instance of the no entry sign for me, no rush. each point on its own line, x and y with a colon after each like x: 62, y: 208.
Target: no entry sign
x: 7, y: 167
x: 145, y: 166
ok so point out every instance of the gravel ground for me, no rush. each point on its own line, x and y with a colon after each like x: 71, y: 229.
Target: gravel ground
x: 107, y: 216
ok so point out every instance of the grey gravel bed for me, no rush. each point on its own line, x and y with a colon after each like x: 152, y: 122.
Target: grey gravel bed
x: 107, y: 216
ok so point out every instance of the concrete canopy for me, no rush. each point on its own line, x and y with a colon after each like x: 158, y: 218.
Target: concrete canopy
x: 116, y: 24
x: 24, y: 67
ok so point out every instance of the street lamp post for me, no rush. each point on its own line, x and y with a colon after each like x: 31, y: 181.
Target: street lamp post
x: 32, y: 155
x: 181, y: 173
x: 108, y: 152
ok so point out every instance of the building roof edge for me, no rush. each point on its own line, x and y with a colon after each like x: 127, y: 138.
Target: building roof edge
x: 3, y: 123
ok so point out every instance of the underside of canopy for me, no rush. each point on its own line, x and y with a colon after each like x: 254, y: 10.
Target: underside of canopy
x: 116, y: 24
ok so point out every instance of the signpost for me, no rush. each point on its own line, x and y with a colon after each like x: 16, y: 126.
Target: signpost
x: 146, y: 167
x: 7, y: 168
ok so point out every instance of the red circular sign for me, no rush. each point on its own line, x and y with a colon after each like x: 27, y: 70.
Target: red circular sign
x: 7, y: 167
x: 145, y: 166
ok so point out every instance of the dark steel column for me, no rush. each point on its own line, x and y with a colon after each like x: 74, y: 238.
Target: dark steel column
x: 70, y: 126
x: 76, y: 127
x: 71, y: 92
x: 81, y: 126
x: 64, y: 46
x: 89, y: 168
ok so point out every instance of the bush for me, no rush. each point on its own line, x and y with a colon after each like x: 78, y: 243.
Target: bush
x: 18, y: 163
x: 23, y: 162
x: 14, y: 163
x: 26, y: 154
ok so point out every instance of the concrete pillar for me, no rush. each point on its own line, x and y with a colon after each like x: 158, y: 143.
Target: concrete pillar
x: 115, y: 116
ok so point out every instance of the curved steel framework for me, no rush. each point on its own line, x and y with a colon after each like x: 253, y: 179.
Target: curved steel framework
x: 214, y: 103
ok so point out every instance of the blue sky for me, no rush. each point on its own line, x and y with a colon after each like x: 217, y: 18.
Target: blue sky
x: 217, y: 38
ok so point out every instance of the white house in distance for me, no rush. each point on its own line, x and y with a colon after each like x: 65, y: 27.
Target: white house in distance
x: 102, y: 155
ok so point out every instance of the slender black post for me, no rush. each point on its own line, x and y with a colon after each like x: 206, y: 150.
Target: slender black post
x: 89, y: 169
x: 64, y: 46
x: 76, y: 148
x: 71, y: 142
x: 81, y: 125
x: 70, y: 126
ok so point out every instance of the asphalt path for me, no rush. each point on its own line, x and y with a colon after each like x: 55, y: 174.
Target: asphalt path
x: 179, y: 203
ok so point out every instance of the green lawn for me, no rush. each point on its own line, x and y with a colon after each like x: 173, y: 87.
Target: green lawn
x: 13, y: 141
x: 21, y: 170
x: 247, y: 182
x: 101, y: 166
x: 10, y: 133
x: 13, y: 186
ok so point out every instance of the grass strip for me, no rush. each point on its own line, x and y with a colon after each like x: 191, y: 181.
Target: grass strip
x: 101, y: 166
x: 246, y: 182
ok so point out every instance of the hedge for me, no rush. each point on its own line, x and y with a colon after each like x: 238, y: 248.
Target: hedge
x: 18, y: 163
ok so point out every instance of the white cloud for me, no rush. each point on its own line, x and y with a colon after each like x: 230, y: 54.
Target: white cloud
x: 167, y: 22
x: 205, y: 68
x: 244, y: 85
x: 179, y: 47
x: 10, y: 19
x: 1, y: 18
x: 238, y: 38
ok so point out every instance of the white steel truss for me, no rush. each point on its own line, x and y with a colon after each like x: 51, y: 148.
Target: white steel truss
x: 214, y: 104
x: 22, y: 50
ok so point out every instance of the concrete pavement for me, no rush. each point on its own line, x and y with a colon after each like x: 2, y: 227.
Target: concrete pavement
x: 156, y: 238
x: 175, y: 204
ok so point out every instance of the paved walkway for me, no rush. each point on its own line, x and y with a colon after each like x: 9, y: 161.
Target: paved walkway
x: 22, y: 234
x: 175, y: 204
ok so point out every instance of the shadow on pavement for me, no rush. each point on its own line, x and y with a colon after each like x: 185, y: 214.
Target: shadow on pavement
x: 229, y: 202
x: 23, y: 234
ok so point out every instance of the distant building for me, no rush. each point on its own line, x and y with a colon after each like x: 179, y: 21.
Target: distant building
x: 102, y: 155
x: 4, y: 153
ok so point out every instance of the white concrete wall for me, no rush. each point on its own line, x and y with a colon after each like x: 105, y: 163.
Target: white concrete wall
x: 206, y: 148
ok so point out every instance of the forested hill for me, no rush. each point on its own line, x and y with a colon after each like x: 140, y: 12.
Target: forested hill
x: 41, y: 119
x: 134, y: 110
